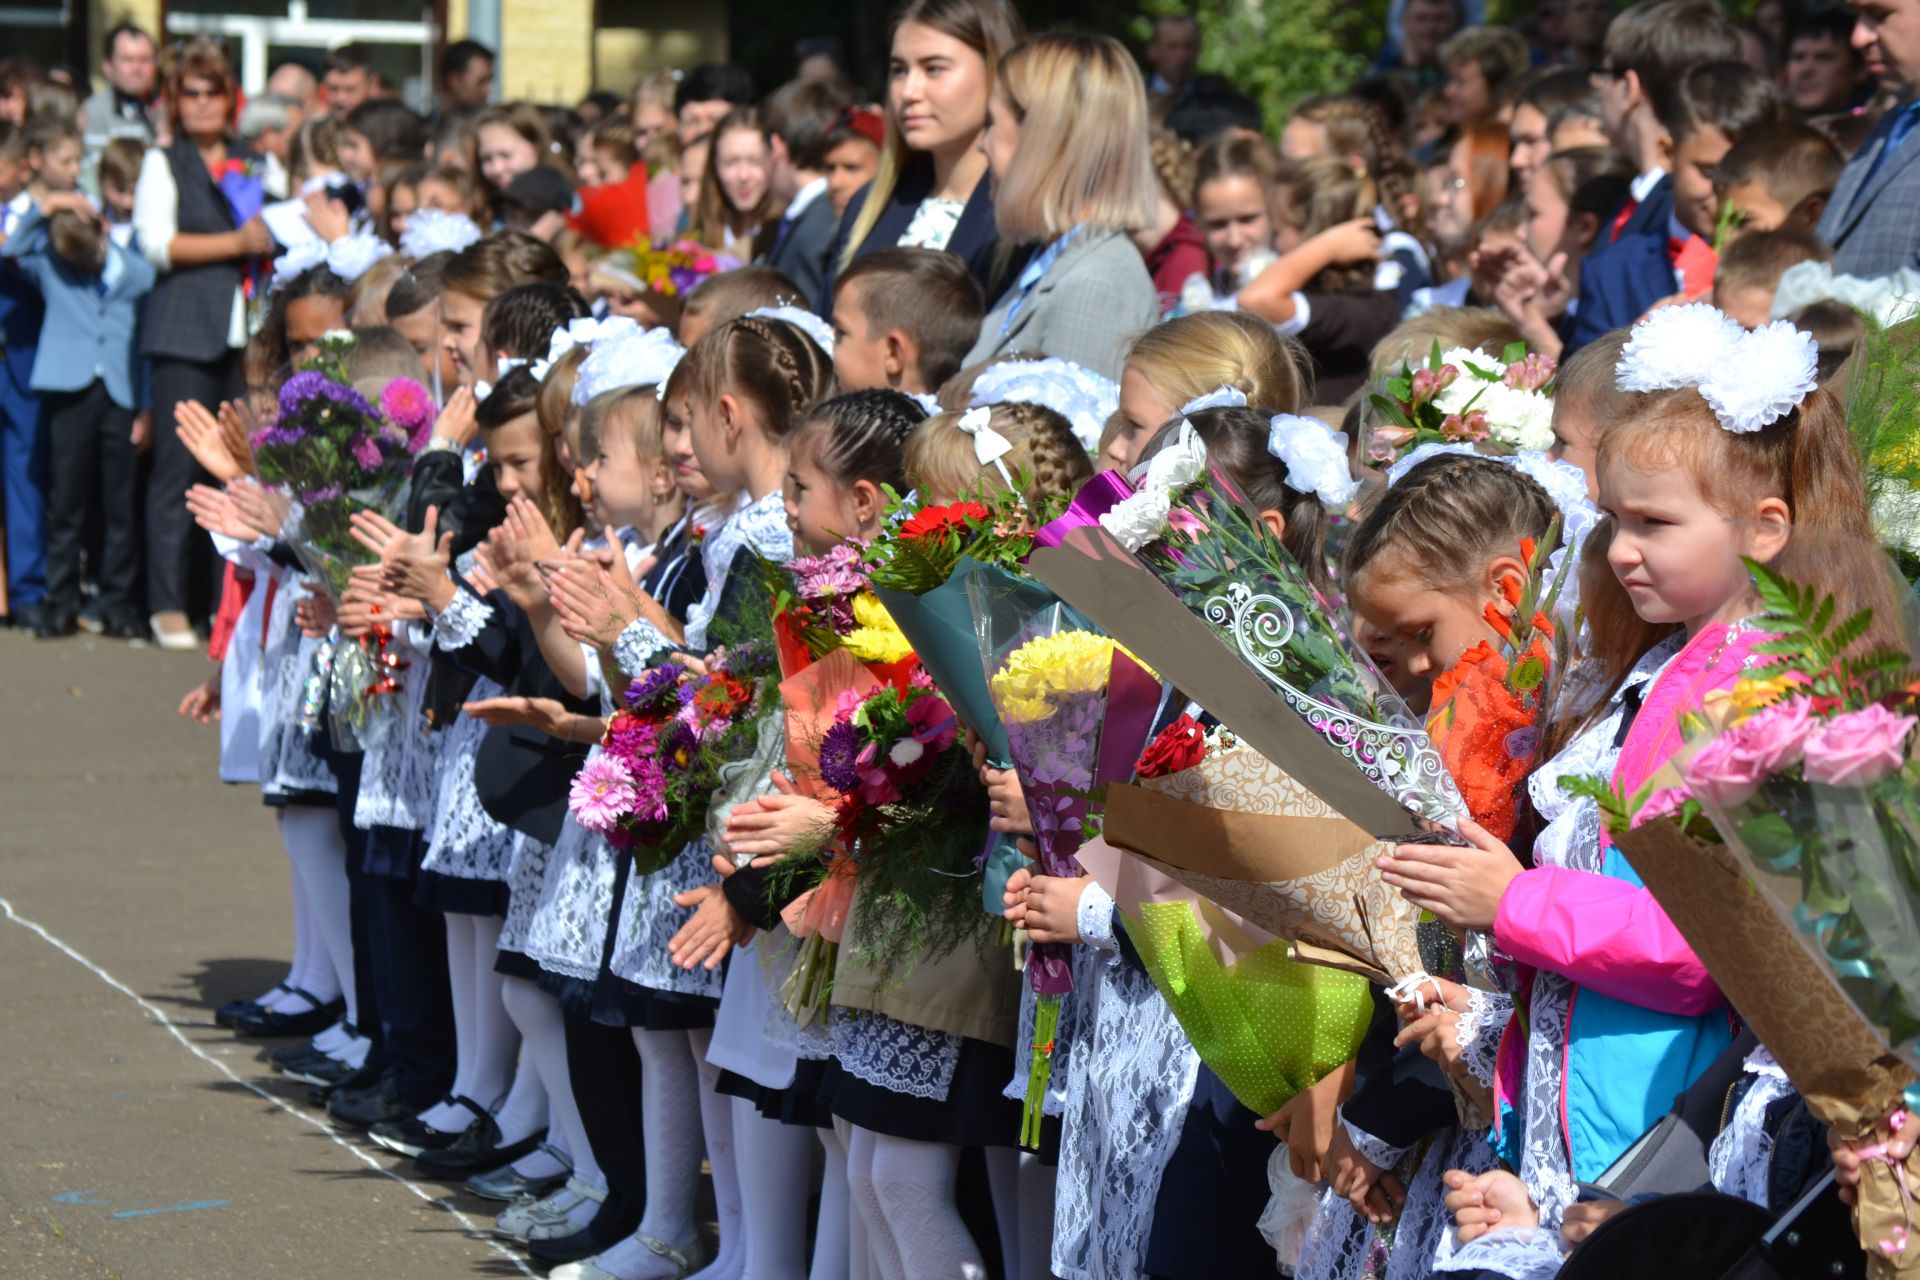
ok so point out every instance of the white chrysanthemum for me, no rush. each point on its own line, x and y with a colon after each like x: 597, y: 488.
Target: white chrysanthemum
x: 430, y: 231
x: 1316, y: 459
x: 301, y: 257
x: 640, y: 359
x: 1221, y: 397
x: 1081, y: 396
x: 1517, y: 419
x: 350, y: 257
x: 1677, y: 347
x: 1139, y: 518
x: 1466, y: 389
x: 1765, y: 377
x: 805, y: 321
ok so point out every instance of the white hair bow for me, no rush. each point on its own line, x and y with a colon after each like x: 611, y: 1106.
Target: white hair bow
x: 805, y: 321
x: 430, y: 231
x: 507, y: 364
x: 989, y: 446
x: 1750, y: 379
x: 1316, y: 458
x: 351, y: 257
x: 301, y: 257
x: 1221, y: 397
x: 634, y: 358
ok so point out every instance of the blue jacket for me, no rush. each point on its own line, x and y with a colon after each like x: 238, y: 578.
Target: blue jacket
x: 91, y: 328
x: 1621, y: 279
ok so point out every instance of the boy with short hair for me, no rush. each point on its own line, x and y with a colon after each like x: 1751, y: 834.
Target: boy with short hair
x: 1779, y: 176
x: 904, y: 319
x: 120, y: 162
x: 797, y: 119
x: 1751, y: 268
x: 88, y: 376
x: 54, y: 151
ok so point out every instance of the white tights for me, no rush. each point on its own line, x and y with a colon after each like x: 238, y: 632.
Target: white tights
x: 311, y: 836
x: 775, y: 1163
x: 831, y: 1256
x: 904, y: 1191
x: 1023, y: 1190
x: 543, y: 1037
x: 485, y: 1039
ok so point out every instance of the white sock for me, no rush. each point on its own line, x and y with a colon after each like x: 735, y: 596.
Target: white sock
x: 543, y: 1037
x: 312, y: 838
x: 882, y: 1259
x: 355, y: 1053
x: 670, y: 1123
x: 830, y: 1255
x: 332, y: 1040
x: 914, y: 1182
x: 775, y: 1164
x: 541, y: 1163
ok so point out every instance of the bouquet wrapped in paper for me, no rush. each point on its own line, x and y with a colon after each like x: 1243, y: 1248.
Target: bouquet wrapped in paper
x: 1267, y: 1025
x: 1052, y: 677
x: 331, y: 451
x: 909, y: 820
x: 1784, y: 843
x: 1487, y: 709
x: 651, y: 786
x: 921, y: 568
x: 1464, y: 397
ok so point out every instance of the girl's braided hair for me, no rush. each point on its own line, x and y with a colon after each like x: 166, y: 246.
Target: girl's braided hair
x: 769, y: 362
x: 1448, y: 516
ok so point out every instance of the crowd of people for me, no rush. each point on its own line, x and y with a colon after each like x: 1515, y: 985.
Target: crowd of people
x: 634, y: 340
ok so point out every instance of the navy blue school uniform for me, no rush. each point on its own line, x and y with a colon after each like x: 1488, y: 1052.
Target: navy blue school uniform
x: 23, y: 439
x: 975, y: 238
x: 1629, y: 271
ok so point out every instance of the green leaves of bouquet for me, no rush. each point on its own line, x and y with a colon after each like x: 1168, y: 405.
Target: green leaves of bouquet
x: 1810, y: 643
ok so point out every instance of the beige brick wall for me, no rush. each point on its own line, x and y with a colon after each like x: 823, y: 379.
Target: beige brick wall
x: 548, y: 49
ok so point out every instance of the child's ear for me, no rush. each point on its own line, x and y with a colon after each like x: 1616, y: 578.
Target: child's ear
x: 1769, y: 529
x: 1506, y: 578
x: 903, y: 355
x: 1276, y: 522
x: 1586, y: 228
x: 729, y: 411
x: 1806, y: 215
x: 868, y: 502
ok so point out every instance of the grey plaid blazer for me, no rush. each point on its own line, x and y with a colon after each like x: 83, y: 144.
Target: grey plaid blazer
x: 1871, y: 224
x: 1089, y: 306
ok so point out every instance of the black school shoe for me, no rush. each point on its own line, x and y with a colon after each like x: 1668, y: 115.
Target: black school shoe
x: 412, y: 1136
x: 477, y: 1149
x: 232, y: 1009
x: 378, y: 1103
x: 318, y: 1070
x: 311, y: 1022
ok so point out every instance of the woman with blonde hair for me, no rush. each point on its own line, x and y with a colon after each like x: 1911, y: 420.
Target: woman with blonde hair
x: 1066, y: 146
x: 931, y: 190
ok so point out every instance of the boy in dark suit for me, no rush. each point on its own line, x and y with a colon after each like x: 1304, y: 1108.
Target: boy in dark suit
x: 89, y: 380
x: 797, y: 119
x: 1650, y: 44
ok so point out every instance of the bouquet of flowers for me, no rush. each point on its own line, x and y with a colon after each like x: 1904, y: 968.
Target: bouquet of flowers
x: 1267, y: 1025
x: 921, y: 568
x: 677, y: 269
x: 652, y: 784
x: 898, y: 773
x: 826, y: 602
x: 1487, y: 709
x: 331, y: 452
x: 1805, y: 792
x: 1182, y: 569
x: 1460, y: 396
x: 1051, y: 677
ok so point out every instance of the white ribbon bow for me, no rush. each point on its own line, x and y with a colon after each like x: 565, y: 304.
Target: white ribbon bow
x: 989, y: 446
x: 482, y: 390
x: 1221, y: 397
x: 1316, y: 458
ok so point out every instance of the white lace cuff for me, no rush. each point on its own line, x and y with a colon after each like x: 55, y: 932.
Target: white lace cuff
x: 638, y: 645
x: 455, y: 626
x: 1479, y: 1030
x: 1740, y: 1161
x: 1381, y: 1155
x: 1520, y: 1253
x: 1094, y: 919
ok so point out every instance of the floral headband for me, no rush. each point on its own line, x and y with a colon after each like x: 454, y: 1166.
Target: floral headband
x: 1749, y: 378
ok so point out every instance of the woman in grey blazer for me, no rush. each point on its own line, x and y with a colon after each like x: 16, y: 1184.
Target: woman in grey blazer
x: 1066, y: 143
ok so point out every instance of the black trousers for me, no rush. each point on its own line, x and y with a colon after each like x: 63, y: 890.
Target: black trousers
x: 408, y: 946
x: 604, y: 1068
x: 179, y: 555
x: 88, y: 435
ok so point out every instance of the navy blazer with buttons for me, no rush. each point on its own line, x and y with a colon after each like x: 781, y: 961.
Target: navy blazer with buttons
x: 1621, y: 279
x: 976, y: 237
x: 90, y: 332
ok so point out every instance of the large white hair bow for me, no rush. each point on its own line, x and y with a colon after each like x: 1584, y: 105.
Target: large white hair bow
x: 301, y: 257
x: 989, y: 446
x: 1141, y: 516
x: 1316, y: 458
x: 805, y: 321
x: 351, y: 257
x: 638, y: 358
x: 1750, y: 379
x: 1221, y: 397
x: 1081, y: 396
x: 430, y: 231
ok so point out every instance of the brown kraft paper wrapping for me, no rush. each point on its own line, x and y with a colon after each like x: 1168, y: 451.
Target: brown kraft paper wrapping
x: 1836, y: 1060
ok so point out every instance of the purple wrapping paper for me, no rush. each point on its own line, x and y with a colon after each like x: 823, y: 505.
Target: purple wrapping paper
x: 1096, y: 497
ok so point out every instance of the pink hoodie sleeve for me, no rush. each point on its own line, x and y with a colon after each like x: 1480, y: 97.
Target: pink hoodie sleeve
x: 1605, y: 934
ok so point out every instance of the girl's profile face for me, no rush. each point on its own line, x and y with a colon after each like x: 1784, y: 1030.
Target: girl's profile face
x: 1000, y: 140
x: 821, y: 512
x: 402, y: 202
x: 1678, y: 556
x: 356, y: 155
x: 1425, y: 629
x: 516, y: 450
x: 460, y: 332
x: 1144, y: 409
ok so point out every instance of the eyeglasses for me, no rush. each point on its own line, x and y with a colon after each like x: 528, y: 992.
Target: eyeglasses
x: 188, y: 93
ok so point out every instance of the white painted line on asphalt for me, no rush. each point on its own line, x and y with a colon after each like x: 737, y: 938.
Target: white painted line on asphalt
x: 304, y: 1117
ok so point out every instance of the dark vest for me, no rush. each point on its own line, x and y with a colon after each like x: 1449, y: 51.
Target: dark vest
x: 190, y: 308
